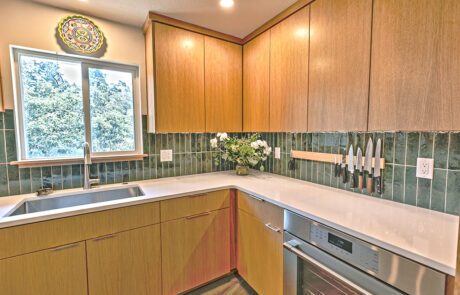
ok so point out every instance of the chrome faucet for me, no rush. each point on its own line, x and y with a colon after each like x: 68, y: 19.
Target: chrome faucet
x: 87, y: 181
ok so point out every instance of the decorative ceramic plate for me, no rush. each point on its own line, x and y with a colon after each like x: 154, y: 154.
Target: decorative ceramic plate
x: 80, y: 34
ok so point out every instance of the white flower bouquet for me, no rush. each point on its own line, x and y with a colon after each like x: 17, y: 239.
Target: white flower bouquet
x: 244, y: 152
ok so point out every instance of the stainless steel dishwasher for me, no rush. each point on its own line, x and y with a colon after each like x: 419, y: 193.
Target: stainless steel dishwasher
x: 321, y: 260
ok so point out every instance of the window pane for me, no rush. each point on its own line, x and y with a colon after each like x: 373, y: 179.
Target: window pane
x: 112, y: 110
x: 52, y: 107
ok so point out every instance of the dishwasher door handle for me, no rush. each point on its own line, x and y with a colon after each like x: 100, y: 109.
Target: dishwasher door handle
x: 302, y: 255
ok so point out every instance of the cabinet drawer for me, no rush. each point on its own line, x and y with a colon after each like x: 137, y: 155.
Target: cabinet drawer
x: 47, y: 234
x: 56, y: 271
x: 194, y: 204
x: 262, y: 210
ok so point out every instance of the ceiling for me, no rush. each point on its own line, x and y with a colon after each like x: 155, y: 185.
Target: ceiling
x: 238, y: 21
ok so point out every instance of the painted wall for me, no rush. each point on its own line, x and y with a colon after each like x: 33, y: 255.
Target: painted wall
x: 34, y: 25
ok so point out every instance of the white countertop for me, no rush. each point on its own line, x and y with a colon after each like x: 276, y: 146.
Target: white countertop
x: 425, y: 236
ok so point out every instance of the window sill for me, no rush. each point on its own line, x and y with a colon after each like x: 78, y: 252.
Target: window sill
x: 72, y: 161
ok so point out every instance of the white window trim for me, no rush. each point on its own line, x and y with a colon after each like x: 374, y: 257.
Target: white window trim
x: 15, y: 51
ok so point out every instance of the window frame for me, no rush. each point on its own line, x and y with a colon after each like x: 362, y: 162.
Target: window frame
x: 86, y: 63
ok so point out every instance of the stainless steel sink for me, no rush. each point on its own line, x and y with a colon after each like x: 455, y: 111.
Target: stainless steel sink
x: 77, y: 199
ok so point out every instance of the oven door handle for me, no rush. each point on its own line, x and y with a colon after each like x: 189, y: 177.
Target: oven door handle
x: 309, y: 259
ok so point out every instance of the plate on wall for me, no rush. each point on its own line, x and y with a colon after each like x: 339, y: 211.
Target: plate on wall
x: 80, y: 34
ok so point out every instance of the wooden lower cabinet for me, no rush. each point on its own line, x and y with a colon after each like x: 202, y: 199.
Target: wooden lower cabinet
x: 57, y: 271
x: 125, y: 263
x: 259, y: 255
x: 195, y: 250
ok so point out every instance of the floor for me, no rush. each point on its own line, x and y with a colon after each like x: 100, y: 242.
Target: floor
x: 229, y: 285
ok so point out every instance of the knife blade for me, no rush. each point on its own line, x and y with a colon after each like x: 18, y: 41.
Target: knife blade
x: 343, y: 167
x: 368, y: 165
x: 351, y: 166
x: 377, y: 175
x: 359, y: 166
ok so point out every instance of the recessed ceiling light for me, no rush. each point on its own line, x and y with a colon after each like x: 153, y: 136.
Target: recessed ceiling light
x: 226, y: 3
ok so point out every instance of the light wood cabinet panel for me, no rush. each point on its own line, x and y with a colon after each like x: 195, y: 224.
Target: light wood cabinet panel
x: 195, y: 250
x: 289, y: 73
x: 194, y: 204
x: 340, y: 43
x: 179, y: 80
x: 56, y: 271
x: 259, y: 255
x: 415, y: 65
x: 28, y: 238
x: 260, y: 209
x: 223, y: 85
x: 125, y: 263
x: 256, y: 84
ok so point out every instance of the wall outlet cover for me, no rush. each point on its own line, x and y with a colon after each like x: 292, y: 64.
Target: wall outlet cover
x: 165, y: 155
x: 425, y: 168
x: 277, y: 153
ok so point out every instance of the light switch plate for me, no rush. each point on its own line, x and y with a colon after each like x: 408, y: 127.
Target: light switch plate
x: 425, y: 168
x: 165, y: 155
x: 277, y: 153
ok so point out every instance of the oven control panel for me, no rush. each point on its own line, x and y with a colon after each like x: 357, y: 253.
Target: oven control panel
x: 351, y: 250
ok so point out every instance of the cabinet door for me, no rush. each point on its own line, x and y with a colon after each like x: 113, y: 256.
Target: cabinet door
x: 179, y: 80
x: 223, y: 85
x: 57, y: 271
x: 195, y: 250
x: 339, y: 65
x: 125, y: 263
x: 289, y: 73
x: 415, y: 83
x: 256, y: 84
x: 259, y: 255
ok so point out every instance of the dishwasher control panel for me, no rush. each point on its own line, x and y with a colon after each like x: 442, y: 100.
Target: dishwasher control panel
x: 351, y: 250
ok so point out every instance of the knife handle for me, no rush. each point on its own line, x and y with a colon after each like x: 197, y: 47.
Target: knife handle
x: 336, y: 170
x: 378, y: 184
x: 356, y: 179
x: 344, y: 175
x: 360, y: 181
x: 369, y: 183
x: 352, y: 179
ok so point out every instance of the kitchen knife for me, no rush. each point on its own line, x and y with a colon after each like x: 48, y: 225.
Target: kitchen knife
x: 368, y: 165
x: 343, y: 169
x: 377, y: 175
x: 336, y: 167
x: 359, y: 166
x: 351, y: 166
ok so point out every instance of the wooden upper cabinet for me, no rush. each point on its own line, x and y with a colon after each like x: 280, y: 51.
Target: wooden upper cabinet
x: 179, y: 80
x: 415, y: 70
x: 289, y: 73
x: 340, y: 41
x: 223, y: 85
x: 256, y: 84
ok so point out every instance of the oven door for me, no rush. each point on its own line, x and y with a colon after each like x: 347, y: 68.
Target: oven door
x: 309, y: 270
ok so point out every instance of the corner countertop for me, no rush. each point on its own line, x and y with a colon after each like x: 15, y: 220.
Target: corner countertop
x: 425, y: 236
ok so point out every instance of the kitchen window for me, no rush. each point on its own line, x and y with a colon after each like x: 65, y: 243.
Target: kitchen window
x: 63, y: 101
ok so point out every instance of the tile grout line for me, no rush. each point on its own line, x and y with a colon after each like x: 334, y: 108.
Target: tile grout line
x: 405, y: 168
x: 418, y: 155
x: 447, y: 172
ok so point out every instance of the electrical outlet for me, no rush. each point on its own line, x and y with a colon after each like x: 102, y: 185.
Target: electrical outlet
x: 277, y: 153
x: 165, y: 155
x: 425, y: 168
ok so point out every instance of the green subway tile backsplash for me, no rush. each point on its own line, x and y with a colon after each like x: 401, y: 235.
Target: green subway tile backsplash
x: 192, y: 154
x: 400, y: 150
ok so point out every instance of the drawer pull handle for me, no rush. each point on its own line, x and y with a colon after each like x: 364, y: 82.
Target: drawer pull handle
x: 256, y: 198
x: 196, y: 196
x: 273, y: 228
x: 65, y: 247
x: 104, y: 238
x: 198, y: 215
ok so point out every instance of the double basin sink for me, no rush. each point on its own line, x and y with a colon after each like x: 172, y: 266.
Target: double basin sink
x: 41, y: 204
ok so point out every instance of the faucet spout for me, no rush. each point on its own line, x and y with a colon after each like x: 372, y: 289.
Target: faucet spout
x: 87, y: 181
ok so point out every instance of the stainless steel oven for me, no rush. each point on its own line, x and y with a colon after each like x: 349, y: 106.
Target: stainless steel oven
x: 321, y: 260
